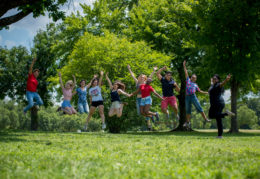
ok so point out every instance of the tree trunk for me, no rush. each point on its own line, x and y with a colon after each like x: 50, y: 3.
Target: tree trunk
x: 34, y: 118
x: 234, y: 94
x: 181, y: 98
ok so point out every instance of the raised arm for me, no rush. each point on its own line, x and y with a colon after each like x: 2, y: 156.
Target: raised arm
x: 74, y: 81
x: 132, y: 74
x: 61, y: 83
x: 109, y: 82
x: 225, y: 81
x: 123, y: 93
x: 31, y: 66
x: 101, y: 78
x: 177, y: 87
x: 158, y: 74
x: 156, y: 94
x: 154, y: 70
x: 89, y: 84
x: 185, y: 69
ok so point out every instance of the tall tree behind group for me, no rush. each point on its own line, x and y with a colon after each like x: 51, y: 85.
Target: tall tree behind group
x: 230, y: 37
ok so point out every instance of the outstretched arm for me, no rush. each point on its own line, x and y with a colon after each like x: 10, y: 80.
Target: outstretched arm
x: 202, y: 92
x: 132, y: 74
x: 109, y: 82
x: 123, y: 93
x: 185, y: 69
x: 156, y: 94
x: 158, y: 74
x: 225, y: 81
x: 177, y: 87
x: 61, y: 83
x: 136, y: 92
x: 89, y: 84
x: 154, y: 70
x: 31, y: 66
x: 101, y: 78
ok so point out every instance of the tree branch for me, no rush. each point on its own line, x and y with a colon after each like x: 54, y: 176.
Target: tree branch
x: 11, y: 19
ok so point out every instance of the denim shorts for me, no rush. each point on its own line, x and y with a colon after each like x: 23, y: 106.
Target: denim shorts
x: 66, y: 103
x: 83, y: 107
x: 145, y: 101
x: 192, y: 99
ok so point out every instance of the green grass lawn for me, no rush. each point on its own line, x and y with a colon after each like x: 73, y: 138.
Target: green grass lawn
x: 131, y: 155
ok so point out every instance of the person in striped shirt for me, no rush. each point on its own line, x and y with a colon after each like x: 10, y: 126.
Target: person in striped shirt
x: 191, y: 98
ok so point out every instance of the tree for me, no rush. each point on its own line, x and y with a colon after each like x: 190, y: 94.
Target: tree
x: 246, y: 117
x: 25, y: 7
x: 229, y: 38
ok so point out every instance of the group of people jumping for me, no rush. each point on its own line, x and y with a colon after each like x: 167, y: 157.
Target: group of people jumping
x: 143, y: 93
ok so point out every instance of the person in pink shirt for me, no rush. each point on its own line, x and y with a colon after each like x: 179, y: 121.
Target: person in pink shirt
x: 146, y: 101
x: 67, y: 95
x: 31, y: 88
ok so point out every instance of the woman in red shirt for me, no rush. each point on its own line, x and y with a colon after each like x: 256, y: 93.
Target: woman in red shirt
x: 146, y: 101
x: 31, y: 88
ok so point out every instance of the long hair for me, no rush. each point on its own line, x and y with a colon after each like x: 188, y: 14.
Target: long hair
x: 95, y: 79
x: 120, y: 85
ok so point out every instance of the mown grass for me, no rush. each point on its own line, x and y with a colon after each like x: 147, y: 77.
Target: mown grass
x: 131, y: 155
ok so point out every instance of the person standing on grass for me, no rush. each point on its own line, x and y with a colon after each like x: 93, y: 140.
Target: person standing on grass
x: 217, y: 102
x: 116, y: 89
x: 96, y: 100
x: 141, y: 80
x: 169, y: 99
x: 191, y: 89
x: 31, y: 88
x: 146, y: 101
x: 82, y: 94
x: 67, y: 95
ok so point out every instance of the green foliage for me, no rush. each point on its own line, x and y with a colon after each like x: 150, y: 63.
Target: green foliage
x: 246, y: 117
x: 132, y: 155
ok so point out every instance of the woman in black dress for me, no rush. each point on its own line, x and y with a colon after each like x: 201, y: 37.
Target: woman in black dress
x: 217, y: 102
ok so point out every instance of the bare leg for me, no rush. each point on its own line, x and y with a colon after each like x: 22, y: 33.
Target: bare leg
x: 120, y: 110
x: 67, y: 110
x: 204, y: 116
x: 111, y: 112
x: 73, y: 110
x: 91, y: 112
x: 101, y: 113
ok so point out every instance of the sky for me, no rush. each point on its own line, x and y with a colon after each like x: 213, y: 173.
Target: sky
x: 23, y: 31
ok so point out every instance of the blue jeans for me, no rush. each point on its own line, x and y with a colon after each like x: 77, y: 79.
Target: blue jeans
x: 192, y: 99
x: 83, y: 107
x: 138, y: 103
x: 30, y: 97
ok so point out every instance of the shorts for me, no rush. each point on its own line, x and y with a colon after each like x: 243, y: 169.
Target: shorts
x: 171, y: 100
x: 145, y: 101
x: 65, y: 104
x: 115, y: 105
x: 192, y: 99
x: 97, y: 103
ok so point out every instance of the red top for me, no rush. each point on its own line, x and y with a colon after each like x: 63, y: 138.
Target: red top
x: 146, y: 90
x: 31, y: 83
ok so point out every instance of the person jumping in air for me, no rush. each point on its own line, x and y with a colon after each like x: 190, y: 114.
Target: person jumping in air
x: 146, y: 101
x: 116, y: 89
x: 96, y: 100
x: 140, y: 80
x: 191, y: 89
x: 67, y: 95
x: 82, y: 94
x: 31, y: 88
x: 217, y: 102
x: 169, y: 99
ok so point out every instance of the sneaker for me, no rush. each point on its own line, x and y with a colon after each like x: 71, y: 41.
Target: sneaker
x: 104, y: 126
x: 157, y: 116
x: 219, y: 137
x: 207, y: 120
x: 187, y: 124
x: 229, y: 113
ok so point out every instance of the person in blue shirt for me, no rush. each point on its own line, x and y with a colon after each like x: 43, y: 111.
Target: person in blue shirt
x: 81, y: 91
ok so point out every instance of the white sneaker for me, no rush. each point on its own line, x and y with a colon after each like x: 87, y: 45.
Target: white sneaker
x: 104, y: 126
x: 186, y: 124
x: 230, y: 113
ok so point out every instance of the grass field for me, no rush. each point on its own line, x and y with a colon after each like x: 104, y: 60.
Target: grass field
x: 131, y: 155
